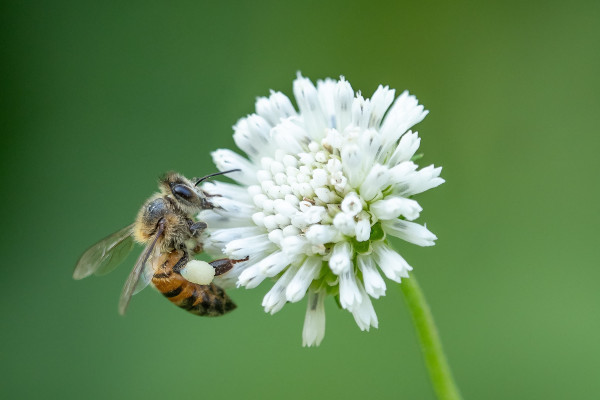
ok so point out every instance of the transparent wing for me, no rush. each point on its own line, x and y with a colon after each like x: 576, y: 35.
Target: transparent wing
x: 147, y: 271
x: 137, y: 271
x: 105, y: 255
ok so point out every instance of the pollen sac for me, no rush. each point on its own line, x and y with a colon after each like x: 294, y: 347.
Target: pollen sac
x: 199, y: 272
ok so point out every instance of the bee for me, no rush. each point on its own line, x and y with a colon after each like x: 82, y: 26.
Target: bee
x: 166, y: 226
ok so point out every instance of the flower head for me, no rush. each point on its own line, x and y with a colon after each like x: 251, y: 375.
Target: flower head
x: 318, y: 193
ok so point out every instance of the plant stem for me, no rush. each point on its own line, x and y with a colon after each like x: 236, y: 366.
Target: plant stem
x: 431, y: 346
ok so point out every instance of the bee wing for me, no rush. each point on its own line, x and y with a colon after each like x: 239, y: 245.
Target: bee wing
x: 136, y: 272
x: 147, y: 271
x: 105, y: 255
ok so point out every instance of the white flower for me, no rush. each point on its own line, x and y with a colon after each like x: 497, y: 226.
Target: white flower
x: 318, y: 192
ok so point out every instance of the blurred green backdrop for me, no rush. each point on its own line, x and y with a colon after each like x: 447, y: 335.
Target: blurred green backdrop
x: 99, y: 98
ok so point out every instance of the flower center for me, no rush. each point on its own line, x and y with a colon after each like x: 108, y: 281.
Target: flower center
x: 306, y: 202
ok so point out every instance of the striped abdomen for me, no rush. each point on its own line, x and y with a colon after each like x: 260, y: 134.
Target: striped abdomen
x: 207, y: 300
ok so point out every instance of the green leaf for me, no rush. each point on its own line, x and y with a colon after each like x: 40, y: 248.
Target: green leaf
x: 337, y: 301
x: 361, y: 247
x: 417, y: 156
x: 377, y: 232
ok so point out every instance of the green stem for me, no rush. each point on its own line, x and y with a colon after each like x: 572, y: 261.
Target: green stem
x: 438, y: 368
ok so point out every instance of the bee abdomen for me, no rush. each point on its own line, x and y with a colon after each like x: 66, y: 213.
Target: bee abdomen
x: 205, y: 300
x: 208, y: 300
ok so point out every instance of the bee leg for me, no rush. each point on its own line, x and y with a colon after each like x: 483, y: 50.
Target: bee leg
x: 197, y: 227
x: 206, y: 204
x: 224, y: 264
x: 206, y: 194
x: 221, y: 266
x: 181, y: 263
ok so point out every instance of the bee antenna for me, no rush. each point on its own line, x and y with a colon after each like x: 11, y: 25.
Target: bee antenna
x: 215, y: 174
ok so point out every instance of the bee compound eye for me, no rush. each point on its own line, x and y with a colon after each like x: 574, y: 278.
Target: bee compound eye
x: 183, y: 191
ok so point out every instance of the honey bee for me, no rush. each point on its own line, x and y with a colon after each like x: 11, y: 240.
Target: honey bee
x: 165, y: 225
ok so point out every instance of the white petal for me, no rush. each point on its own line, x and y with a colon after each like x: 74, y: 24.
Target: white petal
x: 381, y: 99
x: 291, y: 230
x: 293, y: 200
x: 308, y: 159
x: 320, y: 178
x: 226, y: 160
x: 221, y: 237
x: 248, y: 247
x: 274, y: 263
x: 275, y: 108
x: 277, y: 168
x: 275, y: 299
x: 253, y: 190
x: 361, y: 111
x: 314, y: 214
x: 393, y: 207
x: 299, y: 221
x: 351, y: 204
x: 310, y: 107
x: 340, y: 257
x: 409, y: 144
x: 263, y: 175
x: 327, y: 196
x: 251, y: 134
x: 259, y: 218
x: 232, y: 191
x: 374, y: 284
x: 339, y: 183
x: 409, y: 231
x: 289, y: 161
x: 352, y: 163
x: 294, y: 245
x: 290, y: 135
x: 327, y: 91
x: 275, y: 236
x: 364, y: 313
x: 390, y: 262
x: 377, y: 180
x: 322, y: 234
x: 284, y: 207
x: 314, y: 322
x: 309, y: 271
x: 350, y: 296
x: 344, y: 96
x: 305, y: 190
x: 251, y: 277
x: 402, y: 172
x: 238, y: 208
x: 370, y: 141
x: 270, y: 222
x: 322, y: 157
x: 362, y: 230
x: 216, y: 219
x: 369, y: 113
x: 345, y: 223
x: 405, y: 113
x: 419, y: 181
x: 333, y: 141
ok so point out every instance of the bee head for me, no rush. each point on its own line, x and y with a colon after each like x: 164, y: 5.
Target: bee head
x: 188, y: 196
x: 183, y: 191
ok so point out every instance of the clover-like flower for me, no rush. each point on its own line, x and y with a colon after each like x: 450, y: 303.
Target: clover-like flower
x: 318, y: 193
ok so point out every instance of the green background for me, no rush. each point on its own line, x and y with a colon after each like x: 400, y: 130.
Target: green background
x: 99, y: 98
